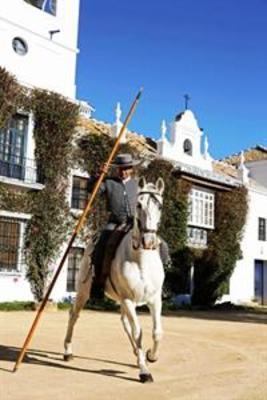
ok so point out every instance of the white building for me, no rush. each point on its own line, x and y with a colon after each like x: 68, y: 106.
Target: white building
x: 185, y: 143
x: 39, y: 42
x: 39, y: 46
x: 192, y: 159
x: 249, y: 280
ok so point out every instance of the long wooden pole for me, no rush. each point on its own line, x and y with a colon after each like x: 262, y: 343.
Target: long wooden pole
x: 76, y: 231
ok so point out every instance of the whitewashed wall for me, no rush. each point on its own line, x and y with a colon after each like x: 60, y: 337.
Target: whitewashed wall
x: 49, y: 64
x: 242, y: 280
x: 258, y: 171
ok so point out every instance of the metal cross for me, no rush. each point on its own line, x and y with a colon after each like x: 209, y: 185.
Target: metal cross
x: 187, y: 98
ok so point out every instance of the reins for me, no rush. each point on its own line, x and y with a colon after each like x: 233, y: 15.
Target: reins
x: 139, y: 224
x: 153, y: 195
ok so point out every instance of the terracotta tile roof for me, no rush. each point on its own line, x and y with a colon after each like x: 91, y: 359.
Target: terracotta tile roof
x: 256, y: 153
x: 93, y: 126
x: 225, y: 169
x: 143, y: 145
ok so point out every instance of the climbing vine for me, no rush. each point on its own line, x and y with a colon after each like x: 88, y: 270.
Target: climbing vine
x: 45, y: 234
x: 173, y: 228
x: 14, y: 200
x: 216, y: 264
x: 12, y: 96
x: 54, y: 132
x: 55, y: 122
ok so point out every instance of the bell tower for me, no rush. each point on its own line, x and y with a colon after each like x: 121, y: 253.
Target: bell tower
x: 185, y: 141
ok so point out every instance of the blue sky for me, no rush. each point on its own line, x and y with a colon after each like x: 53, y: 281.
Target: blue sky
x: 214, y: 50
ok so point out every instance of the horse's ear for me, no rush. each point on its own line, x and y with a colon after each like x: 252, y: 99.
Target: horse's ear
x: 141, y: 182
x: 160, y: 185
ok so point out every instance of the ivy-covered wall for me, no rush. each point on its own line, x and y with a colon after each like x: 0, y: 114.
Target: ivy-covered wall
x: 173, y: 228
x: 213, y: 266
x: 11, y: 96
x: 216, y: 264
x: 54, y: 128
x: 54, y: 133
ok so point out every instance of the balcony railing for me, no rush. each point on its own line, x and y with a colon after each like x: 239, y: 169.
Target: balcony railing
x: 20, y: 168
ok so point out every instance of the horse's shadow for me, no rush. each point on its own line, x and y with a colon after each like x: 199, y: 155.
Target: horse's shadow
x: 55, y: 360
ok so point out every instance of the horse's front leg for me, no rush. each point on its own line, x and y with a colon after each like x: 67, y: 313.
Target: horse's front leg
x: 127, y: 328
x: 144, y: 374
x: 155, y: 310
x: 74, y: 313
x: 83, y: 294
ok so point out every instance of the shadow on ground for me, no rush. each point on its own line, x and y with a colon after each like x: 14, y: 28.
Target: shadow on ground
x: 55, y: 360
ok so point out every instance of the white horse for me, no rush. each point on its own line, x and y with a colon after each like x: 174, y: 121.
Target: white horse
x: 136, y: 277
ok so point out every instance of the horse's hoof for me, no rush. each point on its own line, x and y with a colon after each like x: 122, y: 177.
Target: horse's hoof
x: 146, y: 378
x: 67, y: 357
x: 149, y: 359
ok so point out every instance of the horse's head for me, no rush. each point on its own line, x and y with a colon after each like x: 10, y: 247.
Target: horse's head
x: 148, y: 212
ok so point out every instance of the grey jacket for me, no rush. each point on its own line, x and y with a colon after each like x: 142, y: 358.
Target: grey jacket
x: 121, y: 199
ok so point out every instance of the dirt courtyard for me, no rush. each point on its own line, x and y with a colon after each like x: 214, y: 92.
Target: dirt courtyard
x: 204, y: 356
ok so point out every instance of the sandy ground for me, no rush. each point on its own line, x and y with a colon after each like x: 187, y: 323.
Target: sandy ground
x: 204, y: 356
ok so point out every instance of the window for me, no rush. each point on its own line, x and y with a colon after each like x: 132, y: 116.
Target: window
x: 196, y: 237
x: 12, y: 147
x: 188, y: 149
x: 262, y: 229
x: 79, y: 192
x: 201, y: 208
x: 11, y: 232
x: 74, y: 259
x: 20, y: 46
x: 49, y: 6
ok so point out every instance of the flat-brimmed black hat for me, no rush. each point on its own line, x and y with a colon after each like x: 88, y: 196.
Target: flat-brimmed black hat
x: 125, y: 161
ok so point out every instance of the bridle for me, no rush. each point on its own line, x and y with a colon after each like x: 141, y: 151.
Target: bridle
x: 143, y: 230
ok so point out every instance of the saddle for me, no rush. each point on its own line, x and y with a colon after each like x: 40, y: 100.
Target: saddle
x: 109, y: 251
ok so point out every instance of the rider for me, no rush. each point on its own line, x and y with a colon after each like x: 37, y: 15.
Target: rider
x: 121, y: 194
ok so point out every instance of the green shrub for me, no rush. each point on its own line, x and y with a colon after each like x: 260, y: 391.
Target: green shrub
x: 17, y: 306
